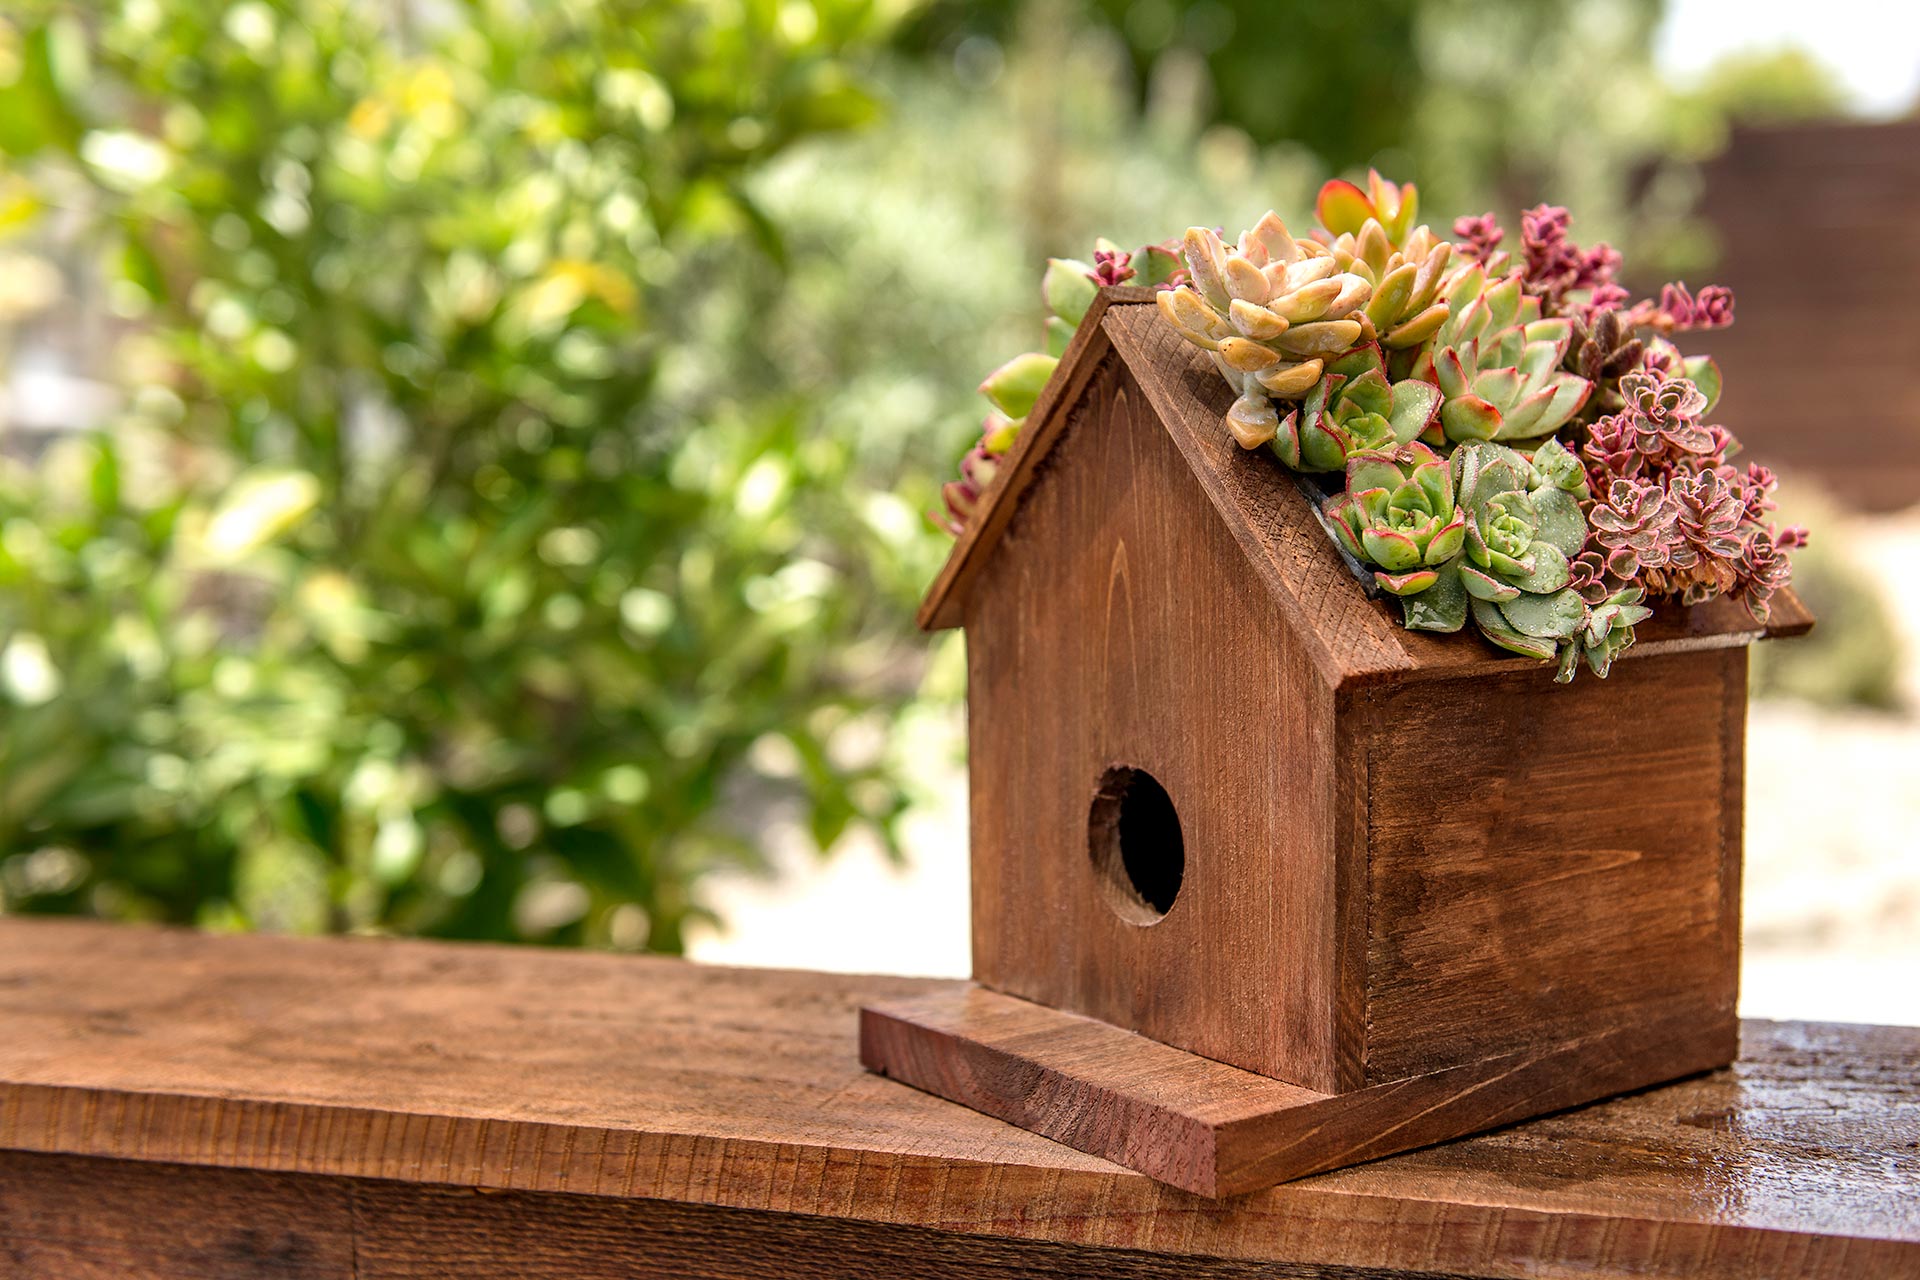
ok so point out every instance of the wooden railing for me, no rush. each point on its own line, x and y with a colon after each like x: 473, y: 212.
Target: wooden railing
x: 178, y: 1105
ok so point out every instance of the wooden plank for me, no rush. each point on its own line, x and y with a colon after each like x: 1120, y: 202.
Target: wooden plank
x: 1218, y: 1131
x: 1532, y: 907
x: 70, y: 1218
x: 76, y: 1218
x: 1123, y: 605
x: 625, y: 1077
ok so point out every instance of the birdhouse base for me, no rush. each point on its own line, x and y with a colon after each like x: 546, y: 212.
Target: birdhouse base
x: 1216, y: 1130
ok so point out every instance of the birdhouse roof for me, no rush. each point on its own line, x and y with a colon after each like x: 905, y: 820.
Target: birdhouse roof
x: 1354, y: 636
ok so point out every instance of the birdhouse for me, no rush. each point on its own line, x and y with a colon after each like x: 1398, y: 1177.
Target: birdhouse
x: 1262, y: 883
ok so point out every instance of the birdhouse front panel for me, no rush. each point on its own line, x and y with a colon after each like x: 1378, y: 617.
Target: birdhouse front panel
x: 1153, y: 782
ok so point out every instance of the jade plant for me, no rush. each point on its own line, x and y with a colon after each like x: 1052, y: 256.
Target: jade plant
x: 1510, y: 441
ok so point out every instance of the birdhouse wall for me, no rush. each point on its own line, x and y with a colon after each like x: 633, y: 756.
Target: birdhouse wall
x: 1548, y: 865
x: 1120, y: 624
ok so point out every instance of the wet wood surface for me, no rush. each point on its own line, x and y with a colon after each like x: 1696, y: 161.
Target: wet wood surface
x: 332, y: 1108
x: 1218, y: 1131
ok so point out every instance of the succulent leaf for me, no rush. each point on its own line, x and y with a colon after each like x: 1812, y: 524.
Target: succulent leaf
x: 1015, y: 385
x: 1441, y: 607
x: 1068, y: 288
x: 1494, y: 626
x: 1342, y: 207
x: 1413, y: 582
x: 1556, y: 616
x: 1705, y: 374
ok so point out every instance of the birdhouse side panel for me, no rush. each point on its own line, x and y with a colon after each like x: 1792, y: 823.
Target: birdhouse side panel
x: 1550, y: 864
x: 1119, y: 631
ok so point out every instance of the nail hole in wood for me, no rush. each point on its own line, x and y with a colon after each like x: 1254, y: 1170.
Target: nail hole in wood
x: 1133, y: 835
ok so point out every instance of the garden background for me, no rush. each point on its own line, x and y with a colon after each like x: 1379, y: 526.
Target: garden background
x: 464, y: 463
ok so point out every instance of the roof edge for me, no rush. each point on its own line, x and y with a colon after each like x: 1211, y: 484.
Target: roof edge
x: 947, y: 596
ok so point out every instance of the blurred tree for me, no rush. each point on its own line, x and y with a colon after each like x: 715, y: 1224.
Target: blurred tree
x: 428, y: 580
x: 1486, y: 104
x: 1349, y: 82
x: 1772, y: 86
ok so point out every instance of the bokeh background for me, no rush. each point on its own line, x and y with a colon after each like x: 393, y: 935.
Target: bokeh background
x: 464, y: 463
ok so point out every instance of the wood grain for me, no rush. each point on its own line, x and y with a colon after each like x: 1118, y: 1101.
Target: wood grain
x: 76, y: 1218
x: 1216, y: 1130
x: 1136, y: 646
x: 619, y: 1077
x: 1577, y: 875
x: 976, y: 543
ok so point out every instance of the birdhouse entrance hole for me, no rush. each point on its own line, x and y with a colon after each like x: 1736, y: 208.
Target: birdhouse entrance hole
x: 1133, y: 835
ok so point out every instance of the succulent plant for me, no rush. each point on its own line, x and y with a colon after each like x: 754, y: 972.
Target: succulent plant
x: 1406, y: 307
x: 1344, y: 209
x: 1398, y: 513
x: 1447, y: 379
x: 1607, y: 630
x: 1489, y: 536
x: 1353, y: 410
x: 1271, y: 311
x: 1498, y: 362
x: 1522, y: 536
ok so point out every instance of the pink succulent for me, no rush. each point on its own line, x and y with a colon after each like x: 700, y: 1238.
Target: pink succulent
x: 1679, y: 309
x: 1111, y: 266
x: 1477, y: 238
x: 1707, y: 515
x: 1554, y: 265
x: 1635, y: 527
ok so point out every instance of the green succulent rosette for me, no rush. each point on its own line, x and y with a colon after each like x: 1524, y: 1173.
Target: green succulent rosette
x: 1498, y: 362
x: 1490, y: 537
x: 1353, y: 411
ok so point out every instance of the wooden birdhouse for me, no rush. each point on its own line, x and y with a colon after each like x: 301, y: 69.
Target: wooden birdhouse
x: 1264, y: 884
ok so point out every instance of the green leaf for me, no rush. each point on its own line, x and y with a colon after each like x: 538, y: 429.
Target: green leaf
x: 1558, y: 520
x: 1414, y: 405
x: 1068, y: 289
x: 1557, y: 616
x: 1469, y: 418
x: 1154, y: 266
x: 1494, y: 626
x: 1549, y: 573
x: 1484, y: 586
x: 1015, y: 385
x: 1706, y: 376
x: 1441, y: 607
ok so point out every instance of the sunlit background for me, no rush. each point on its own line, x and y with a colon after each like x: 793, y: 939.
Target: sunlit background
x: 463, y: 465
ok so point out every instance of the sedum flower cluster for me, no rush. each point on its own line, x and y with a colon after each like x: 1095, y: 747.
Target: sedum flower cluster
x: 1513, y: 443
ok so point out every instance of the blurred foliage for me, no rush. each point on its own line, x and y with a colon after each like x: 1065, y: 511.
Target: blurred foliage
x: 433, y: 579
x: 1853, y: 655
x: 1770, y: 87
x: 1486, y: 104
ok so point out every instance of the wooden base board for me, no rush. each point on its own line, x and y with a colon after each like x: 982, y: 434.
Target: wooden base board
x: 1216, y: 1130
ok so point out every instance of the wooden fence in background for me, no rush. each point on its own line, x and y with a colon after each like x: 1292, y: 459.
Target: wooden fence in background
x: 1820, y: 235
